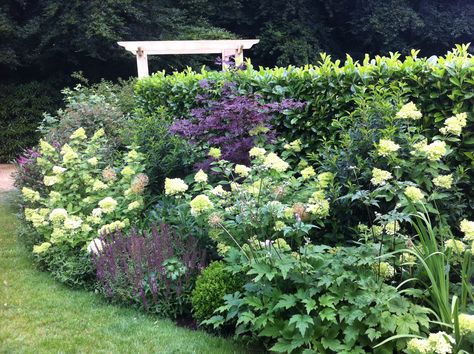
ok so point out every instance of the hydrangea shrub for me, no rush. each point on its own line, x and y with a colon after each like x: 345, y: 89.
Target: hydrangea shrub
x: 266, y: 201
x: 82, y: 196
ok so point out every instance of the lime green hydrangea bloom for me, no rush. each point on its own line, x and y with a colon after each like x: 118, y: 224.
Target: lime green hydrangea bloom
x: 69, y: 155
x: 58, y: 215
x: 46, y: 148
x: 455, y: 246
x: 108, y: 204
x: 380, y: 177
x: 466, y: 323
x: 39, y: 249
x: 435, y: 151
x: 50, y: 180
x: 325, y: 178
x: 279, y: 226
x: 414, y: 194
x: 127, y: 171
x: 419, y: 346
x: 308, y: 172
x: 272, y: 161
x: 98, y: 185
x: 445, y: 181
x: 93, y: 161
x: 175, y: 186
x: 200, y: 204
x: 133, y: 205
x: 293, y: 146
x: 215, y: 153
x: 79, y: 134
x: 385, y: 270
x: 30, y: 194
x: 242, y: 170
x: 467, y: 228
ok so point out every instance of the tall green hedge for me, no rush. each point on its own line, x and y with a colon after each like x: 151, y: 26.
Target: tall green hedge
x: 440, y: 86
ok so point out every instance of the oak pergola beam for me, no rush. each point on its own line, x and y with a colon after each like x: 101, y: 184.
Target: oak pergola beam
x: 227, y: 48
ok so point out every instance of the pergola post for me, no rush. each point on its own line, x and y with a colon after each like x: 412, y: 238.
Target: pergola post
x: 226, y: 48
x: 142, y: 63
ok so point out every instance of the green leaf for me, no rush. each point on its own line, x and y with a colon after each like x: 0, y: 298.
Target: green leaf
x: 373, y: 334
x: 286, y: 301
x: 328, y: 300
x: 309, y: 305
x: 302, y: 322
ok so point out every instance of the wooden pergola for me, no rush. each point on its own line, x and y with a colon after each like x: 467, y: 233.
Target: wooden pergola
x: 226, y: 48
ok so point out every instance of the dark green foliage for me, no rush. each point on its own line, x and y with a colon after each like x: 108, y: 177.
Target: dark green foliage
x: 167, y: 155
x: 211, y: 286
x: 69, y: 266
x: 21, y: 110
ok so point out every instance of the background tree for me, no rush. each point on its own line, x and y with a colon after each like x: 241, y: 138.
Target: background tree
x: 44, y: 41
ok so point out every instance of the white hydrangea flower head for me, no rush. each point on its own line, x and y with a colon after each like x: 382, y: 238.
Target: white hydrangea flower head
x: 272, y: 161
x: 414, y: 194
x: 409, y: 111
x: 441, y: 342
x: 257, y: 152
x: 58, y: 214
x: 50, y: 180
x: 219, y: 191
x: 387, y: 147
x: 467, y: 228
x: 58, y: 170
x: 380, y: 177
x: 454, y: 125
x: 200, y: 177
x: 200, y: 204
x: 445, y: 181
x: 108, y: 204
x: 242, y: 170
x: 72, y: 223
x: 174, y: 186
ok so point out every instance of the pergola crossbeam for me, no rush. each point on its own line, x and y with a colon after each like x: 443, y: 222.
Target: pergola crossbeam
x: 227, y: 48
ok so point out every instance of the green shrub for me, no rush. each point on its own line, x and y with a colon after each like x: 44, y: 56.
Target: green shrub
x: 319, y: 300
x: 21, y: 111
x: 211, y: 286
x: 91, y: 108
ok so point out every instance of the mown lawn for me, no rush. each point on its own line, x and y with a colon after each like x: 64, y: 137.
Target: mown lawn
x: 39, y: 315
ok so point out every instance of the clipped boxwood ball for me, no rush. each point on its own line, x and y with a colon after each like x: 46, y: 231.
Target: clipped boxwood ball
x: 211, y: 285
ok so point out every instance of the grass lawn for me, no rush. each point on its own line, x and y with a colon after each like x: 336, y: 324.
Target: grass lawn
x: 39, y: 315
